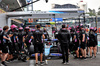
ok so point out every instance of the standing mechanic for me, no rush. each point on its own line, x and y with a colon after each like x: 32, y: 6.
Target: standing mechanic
x: 92, y: 42
x: 38, y: 44
x: 64, y: 39
x: 1, y: 41
x: 4, y: 45
x: 28, y: 37
x: 83, y: 42
x: 75, y: 41
x: 21, y: 38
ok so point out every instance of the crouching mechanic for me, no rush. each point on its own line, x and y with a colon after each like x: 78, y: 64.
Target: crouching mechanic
x: 64, y: 39
x: 38, y: 44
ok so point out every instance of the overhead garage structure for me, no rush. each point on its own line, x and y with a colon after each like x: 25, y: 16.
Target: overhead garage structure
x: 7, y: 17
x: 13, y: 4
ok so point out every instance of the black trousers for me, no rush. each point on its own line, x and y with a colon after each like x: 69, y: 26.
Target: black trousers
x: 65, y: 54
x: 28, y: 45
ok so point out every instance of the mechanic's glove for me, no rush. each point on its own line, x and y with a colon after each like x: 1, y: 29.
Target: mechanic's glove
x: 30, y: 40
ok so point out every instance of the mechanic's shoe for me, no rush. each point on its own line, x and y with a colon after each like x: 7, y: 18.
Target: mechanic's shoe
x: 8, y: 61
x: 76, y: 57
x: 46, y: 62
x: 67, y: 63
x: 91, y: 57
x: 41, y: 63
x: 85, y: 58
x: 3, y: 64
x: 36, y: 64
x: 94, y: 57
x: 64, y: 63
x: 12, y: 59
x: 82, y: 58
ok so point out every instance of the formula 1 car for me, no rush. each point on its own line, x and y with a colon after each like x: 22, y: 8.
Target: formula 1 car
x: 50, y: 49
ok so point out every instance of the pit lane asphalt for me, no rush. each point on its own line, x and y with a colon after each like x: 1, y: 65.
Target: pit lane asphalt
x: 58, y: 62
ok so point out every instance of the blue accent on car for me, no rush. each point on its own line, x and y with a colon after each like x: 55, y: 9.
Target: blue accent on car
x: 56, y: 12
